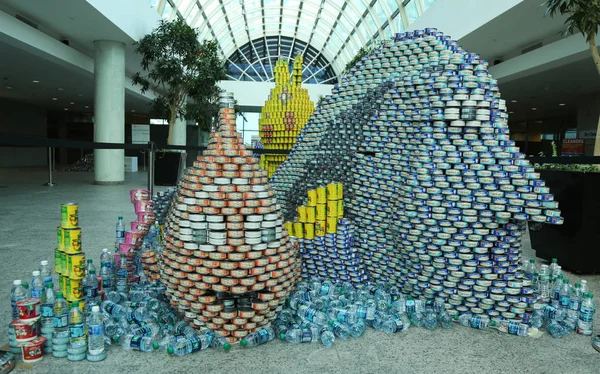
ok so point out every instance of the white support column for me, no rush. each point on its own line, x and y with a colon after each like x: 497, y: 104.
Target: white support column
x: 109, y: 111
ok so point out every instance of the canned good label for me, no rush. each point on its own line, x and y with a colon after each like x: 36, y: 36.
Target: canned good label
x: 69, y: 215
x: 72, y: 240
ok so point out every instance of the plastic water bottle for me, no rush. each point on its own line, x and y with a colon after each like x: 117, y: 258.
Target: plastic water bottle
x: 537, y: 319
x: 165, y: 341
x: 558, y: 282
x: 37, y: 285
x: 575, y: 300
x: 77, y: 336
x: 261, y: 336
x: 340, y: 330
x: 364, y: 312
x: 556, y: 329
x: 585, y: 324
x: 535, y: 283
x: 107, y: 275
x: 90, y: 289
x: 137, y: 343
x: 553, y: 269
x: 187, y: 345
x: 445, y: 320
x: 545, y: 287
x: 89, y: 266
x: 17, y: 293
x: 61, y: 313
x: 584, y: 287
x: 512, y: 327
x: 417, y: 319
x: 410, y: 306
x: 148, y: 329
x: 312, y: 315
x: 114, y: 309
x: 219, y: 342
x: 357, y: 329
x: 430, y: 320
x: 298, y: 335
x: 564, y: 294
x: 327, y: 337
x: 107, y: 259
x: 45, y: 272
x: 478, y: 322
x: 120, y: 231
x: 95, y: 326
x: 47, y: 306
x: 122, y: 282
x: 529, y: 269
x: 182, y: 328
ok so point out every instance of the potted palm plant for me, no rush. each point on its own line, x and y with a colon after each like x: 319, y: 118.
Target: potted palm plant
x: 183, y: 71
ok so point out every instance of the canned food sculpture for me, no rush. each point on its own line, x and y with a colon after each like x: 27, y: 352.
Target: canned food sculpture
x: 326, y: 239
x: 437, y: 190
x: 69, y: 259
x: 285, y: 113
x: 228, y: 263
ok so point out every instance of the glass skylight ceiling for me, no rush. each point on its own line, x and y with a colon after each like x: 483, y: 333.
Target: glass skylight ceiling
x: 335, y: 28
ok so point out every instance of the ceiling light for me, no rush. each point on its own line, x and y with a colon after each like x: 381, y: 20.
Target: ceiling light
x: 80, y: 95
x: 533, y: 108
x: 72, y: 103
x: 34, y: 81
x: 87, y: 107
x: 66, y: 108
x: 511, y: 112
x: 562, y: 104
x: 55, y: 98
x: 8, y: 87
x: 132, y: 110
x: 60, y: 89
x: 513, y: 101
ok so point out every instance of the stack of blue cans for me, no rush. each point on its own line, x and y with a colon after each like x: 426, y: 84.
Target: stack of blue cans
x: 333, y: 256
x: 437, y: 190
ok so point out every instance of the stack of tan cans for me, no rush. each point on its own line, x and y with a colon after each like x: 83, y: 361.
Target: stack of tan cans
x: 228, y: 263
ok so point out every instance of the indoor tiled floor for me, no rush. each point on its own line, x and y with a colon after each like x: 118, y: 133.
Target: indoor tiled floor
x: 30, y: 212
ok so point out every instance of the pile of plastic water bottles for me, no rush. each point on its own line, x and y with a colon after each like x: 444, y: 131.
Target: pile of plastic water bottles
x: 562, y: 308
x: 321, y: 310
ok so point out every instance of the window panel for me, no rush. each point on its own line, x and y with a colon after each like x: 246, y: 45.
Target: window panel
x: 411, y: 11
x: 428, y: 3
x: 167, y: 11
x: 339, y: 45
x: 379, y: 13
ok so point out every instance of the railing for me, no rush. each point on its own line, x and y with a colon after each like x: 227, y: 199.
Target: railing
x: 29, y: 141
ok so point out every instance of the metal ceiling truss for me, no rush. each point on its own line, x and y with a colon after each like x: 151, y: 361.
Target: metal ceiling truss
x: 336, y: 29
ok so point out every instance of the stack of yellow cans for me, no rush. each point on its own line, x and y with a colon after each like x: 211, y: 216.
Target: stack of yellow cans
x: 69, y: 259
x: 325, y: 206
x: 285, y: 113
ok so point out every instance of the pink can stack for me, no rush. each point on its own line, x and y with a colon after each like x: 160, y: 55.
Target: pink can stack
x: 146, y: 217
